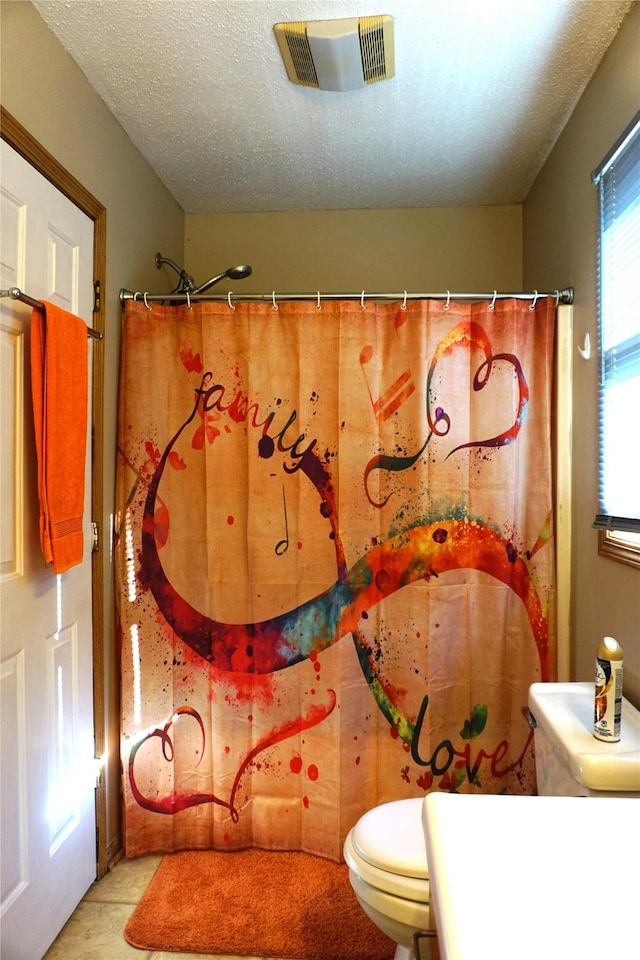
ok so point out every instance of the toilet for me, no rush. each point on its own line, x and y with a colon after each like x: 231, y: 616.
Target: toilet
x: 385, y: 850
x: 387, y: 861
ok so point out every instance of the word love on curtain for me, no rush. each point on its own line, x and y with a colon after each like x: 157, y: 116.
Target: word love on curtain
x: 334, y: 544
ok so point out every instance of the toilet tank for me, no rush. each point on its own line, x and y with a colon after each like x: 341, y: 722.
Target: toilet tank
x: 569, y: 760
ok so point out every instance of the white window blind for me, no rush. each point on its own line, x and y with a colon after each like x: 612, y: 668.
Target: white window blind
x: 618, y: 180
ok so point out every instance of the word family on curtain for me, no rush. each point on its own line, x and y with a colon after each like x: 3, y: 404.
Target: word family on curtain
x: 335, y: 562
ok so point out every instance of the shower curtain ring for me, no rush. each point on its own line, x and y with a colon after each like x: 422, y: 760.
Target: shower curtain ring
x: 188, y: 300
x: 146, y: 302
x: 493, y: 302
x: 362, y: 300
x: 557, y: 298
x: 273, y: 298
x: 318, y: 306
x: 404, y: 301
x: 446, y: 306
x: 231, y: 306
x: 532, y: 305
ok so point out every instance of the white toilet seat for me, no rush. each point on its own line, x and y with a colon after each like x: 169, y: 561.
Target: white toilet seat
x: 386, y: 850
x: 409, y: 913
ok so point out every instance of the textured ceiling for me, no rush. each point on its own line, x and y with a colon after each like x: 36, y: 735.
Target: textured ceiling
x: 482, y: 91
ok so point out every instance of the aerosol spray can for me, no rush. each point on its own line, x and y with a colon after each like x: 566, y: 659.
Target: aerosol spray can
x: 608, y: 704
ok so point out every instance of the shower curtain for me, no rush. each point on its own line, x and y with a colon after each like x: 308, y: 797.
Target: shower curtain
x: 334, y: 562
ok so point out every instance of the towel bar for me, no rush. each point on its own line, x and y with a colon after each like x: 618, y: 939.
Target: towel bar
x: 16, y: 294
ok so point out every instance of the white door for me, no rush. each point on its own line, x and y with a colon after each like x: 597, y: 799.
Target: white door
x: 48, y: 782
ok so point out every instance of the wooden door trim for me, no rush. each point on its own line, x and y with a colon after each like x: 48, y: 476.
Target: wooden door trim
x: 28, y: 147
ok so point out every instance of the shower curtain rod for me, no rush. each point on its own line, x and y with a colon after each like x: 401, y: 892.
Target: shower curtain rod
x: 16, y: 294
x: 560, y: 296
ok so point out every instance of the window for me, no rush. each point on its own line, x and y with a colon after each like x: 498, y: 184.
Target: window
x: 618, y: 181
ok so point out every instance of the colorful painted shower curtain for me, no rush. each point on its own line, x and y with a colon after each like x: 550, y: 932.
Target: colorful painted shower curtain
x: 335, y: 562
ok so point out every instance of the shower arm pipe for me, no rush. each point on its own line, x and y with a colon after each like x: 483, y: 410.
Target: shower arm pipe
x: 565, y: 295
x: 16, y: 294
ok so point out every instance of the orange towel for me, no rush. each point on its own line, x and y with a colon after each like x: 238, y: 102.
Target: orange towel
x: 59, y: 376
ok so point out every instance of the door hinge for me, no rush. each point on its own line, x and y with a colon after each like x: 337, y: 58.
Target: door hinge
x: 95, y: 537
x: 98, y: 767
x: 96, y: 296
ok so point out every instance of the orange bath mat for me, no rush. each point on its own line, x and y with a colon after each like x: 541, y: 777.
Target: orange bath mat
x: 255, y: 903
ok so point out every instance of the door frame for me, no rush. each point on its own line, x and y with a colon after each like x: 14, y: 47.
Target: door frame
x: 28, y: 147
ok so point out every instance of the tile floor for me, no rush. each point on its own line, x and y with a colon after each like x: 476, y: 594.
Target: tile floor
x: 95, y: 930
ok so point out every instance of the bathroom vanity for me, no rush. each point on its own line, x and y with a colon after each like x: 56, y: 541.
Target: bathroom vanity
x: 532, y: 877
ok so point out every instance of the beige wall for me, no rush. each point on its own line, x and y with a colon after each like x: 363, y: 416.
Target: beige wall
x: 456, y: 248
x: 46, y: 92
x: 560, y: 243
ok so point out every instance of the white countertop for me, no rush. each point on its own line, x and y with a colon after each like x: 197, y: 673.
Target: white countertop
x: 546, y: 878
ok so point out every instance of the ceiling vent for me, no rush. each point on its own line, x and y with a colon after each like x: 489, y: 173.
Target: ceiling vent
x: 337, y: 54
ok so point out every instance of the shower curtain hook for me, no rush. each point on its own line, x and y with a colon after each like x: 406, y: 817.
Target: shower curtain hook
x: 231, y: 306
x: 362, y: 300
x: 493, y: 302
x: 273, y: 297
x: 404, y: 301
x: 188, y: 300
x: 318, y: 306
x: 557, y: 298
x: 146, y: 302
x: 532, y: 305
x: 446, y: 306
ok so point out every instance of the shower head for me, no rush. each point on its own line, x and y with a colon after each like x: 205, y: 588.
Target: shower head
x: 233, y: 273
x: 239, y: 273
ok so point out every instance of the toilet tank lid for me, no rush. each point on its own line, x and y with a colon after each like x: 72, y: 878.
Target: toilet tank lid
x: 563, y: 712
